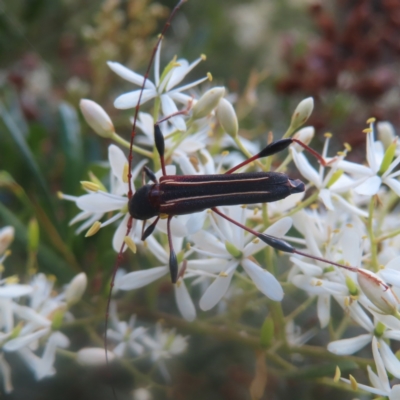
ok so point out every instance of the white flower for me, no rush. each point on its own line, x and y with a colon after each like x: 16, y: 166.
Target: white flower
x: 74, y: 291
x: 96, y: 203
x: 165, y: 344
x: 330, y: 185
x: 377, y: 332
x: 372, y: 177
x: 380, y: 381
x: 138, y: 279
x: 162, y: 88
x: 125, y: 334
x: 232, y: 246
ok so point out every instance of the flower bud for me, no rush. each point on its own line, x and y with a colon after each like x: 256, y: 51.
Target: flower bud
x: 227, y: 117
x: 97, y: 118
x: 141, y: 394
x: 302, y: 112
x: 377, y: 291
x: 93, y: 356
x: 305, y: 135
x: 76, y: 288
x: 33, y: 235
x: 386, y: 133
x: 6, y: 237
x: 207, y: 102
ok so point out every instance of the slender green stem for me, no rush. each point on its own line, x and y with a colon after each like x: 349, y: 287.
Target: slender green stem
x: 387, y: 236
x: 301, y: 308
x: 118, y: 139
x: 246, y: 152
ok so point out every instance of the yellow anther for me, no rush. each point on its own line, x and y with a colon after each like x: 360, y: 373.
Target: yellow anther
x: 93, y: 229
x: 244, y: 206
x: 179, y: 282
x: 328, y: 135
x: 318, y: 283
x: 349, y: 225
x: 164, y: 216
x: 371, y: 120
x: 256, y: 240
x: 60, y: 195
x: 225, y: 153
x: 347, y: 146
x: 346, y: 301
x: 353, y: 382
x: 203, y: 57
x: 125, y: 173
x: 12, y: 279
x: 314, y: 206
x: 130, y: 243
x: 223, y: 274
x: 209, y: 76
x: 337, y: 374
x: 341, y: 153
x: 93, y: 187
x: 367, y: 130
x: 256, y: 210
x: 188, y: 246
x: 381, y: 267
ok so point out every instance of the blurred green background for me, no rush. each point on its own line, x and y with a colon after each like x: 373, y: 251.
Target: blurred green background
x: 272, y: 54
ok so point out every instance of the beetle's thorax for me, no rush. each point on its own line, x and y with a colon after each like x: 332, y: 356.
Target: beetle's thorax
x: 145, y: 202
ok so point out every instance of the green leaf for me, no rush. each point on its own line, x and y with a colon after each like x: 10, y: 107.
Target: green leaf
x: 71, y: 141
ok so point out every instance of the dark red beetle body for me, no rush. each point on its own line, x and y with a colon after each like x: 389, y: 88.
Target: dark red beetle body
x: 186, y: 194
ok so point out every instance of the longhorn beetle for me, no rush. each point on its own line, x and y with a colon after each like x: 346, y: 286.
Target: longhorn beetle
x: 185, y: 194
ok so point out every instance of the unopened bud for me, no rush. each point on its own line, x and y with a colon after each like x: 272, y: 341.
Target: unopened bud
x: 141, y: 394
x: 386, y: 133
x: 33, y: 235
x: 97, y: 118
x: 378, y: 292
x: 305, y: 135
x: 93, y: 356
x: 267, y: 333
x: 207, y: 102
x: 302, y: 112
x: 6, y: 237
x: 233, y: 250
x: 76, y: 288
x: 227, y: 117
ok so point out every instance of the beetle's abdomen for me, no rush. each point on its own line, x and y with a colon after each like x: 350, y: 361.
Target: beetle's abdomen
x: 192, y: 193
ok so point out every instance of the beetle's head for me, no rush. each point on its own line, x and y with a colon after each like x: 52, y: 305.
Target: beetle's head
x: 140, y: 207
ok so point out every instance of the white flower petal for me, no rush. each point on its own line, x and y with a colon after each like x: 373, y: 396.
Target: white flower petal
x: 15, y: 290
x: 305, y: 167
x: 184, y: 301
x: 394, y: 184
x: 129, y: 75
x: 138, y: 279
x: 306, y: 267
x: 101, y: 202
x: 349, y: 346
x: 370, y: 186
x: 23, y: 341
x: 120, y: 233
x: 216, y: 291
x: 391, y: 362
x: 168, y: 108
x: 130, y: 99
x: 395, y: 393
x: 380, y: 367
x: 265, y: 282
x: 325, y: 196
x: 93, y: 356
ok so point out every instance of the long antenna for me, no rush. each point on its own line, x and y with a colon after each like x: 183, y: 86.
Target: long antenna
x: 130, y: 158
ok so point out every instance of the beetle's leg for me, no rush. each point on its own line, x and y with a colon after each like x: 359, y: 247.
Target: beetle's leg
x: 276, y: 147
x: 280, y: 244
x: 149, y: 230
x: 159, y: 138
x: 173, y: 261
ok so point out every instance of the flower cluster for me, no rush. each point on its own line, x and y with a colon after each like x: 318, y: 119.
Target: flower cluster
x: 34, y: 314
x: 344, y: 223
